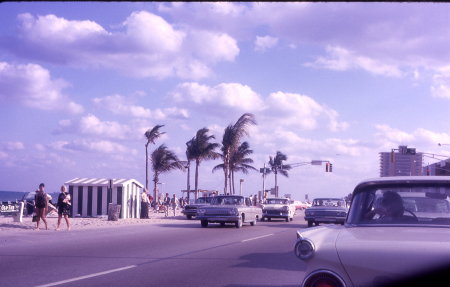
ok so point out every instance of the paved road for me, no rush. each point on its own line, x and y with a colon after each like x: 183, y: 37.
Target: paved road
x: 180, y: 254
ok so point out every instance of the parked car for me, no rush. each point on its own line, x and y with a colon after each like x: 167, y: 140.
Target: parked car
x: 229, y: 209
x: 190, y: 210
x: 326, y: 210
x: 299, y: 205
x: 396, y: 227
x: 278, y: 208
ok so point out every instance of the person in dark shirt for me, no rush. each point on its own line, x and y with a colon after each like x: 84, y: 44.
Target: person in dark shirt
x: 63, y: 206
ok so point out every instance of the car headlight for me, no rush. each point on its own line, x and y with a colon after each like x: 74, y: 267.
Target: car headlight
x: 233, y: 211
x: 201, y: 211
x: 285, y: 208
x: 304, y: 249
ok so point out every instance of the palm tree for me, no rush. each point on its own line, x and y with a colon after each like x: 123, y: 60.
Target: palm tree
x: 231, y: 140
x: 163, y: 160
x: 240, y: 162
x: 189, y: 157
x: 202, y: 149
x: 277, y: 166
x: 151, y: 135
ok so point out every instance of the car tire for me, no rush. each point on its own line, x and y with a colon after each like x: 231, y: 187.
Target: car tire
x: 269, y: 219
x: 222, y: 224
x: 238, y: 223
x: 310, y: 223
x: 287, y: 219
x: 291, y: 219
x: 263, y: 218
x: 253, y: 222
x: 204, y: 223
x: 189, y: 217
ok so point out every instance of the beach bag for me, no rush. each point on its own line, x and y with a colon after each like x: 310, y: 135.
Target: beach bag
x: 41, y: 199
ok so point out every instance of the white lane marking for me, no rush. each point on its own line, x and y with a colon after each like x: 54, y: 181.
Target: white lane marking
x: 254, y: 238
x: 87, y: 276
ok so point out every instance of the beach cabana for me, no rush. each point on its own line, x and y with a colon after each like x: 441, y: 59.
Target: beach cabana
x: 90, y: 196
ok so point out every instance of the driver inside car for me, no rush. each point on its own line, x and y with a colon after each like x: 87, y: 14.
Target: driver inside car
x: 391, y: 209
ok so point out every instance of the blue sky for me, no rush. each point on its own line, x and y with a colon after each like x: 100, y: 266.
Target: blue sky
x: 81, y: 82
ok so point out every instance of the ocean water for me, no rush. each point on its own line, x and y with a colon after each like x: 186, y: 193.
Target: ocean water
x: 11, y: 195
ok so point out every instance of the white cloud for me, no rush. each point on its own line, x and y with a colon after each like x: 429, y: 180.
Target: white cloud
x: 232, y: 96
x: 121, y: 105
x: 33, y: 86
x: 341, y: 59
x: 264, y: 43
x: 90, y: 125
x: 12, y: 146
x: 102, y: 146
x: 441, y: 83
x: 149, y: 46
x: 301, y: 111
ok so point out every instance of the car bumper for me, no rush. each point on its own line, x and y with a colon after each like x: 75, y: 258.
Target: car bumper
x: 325, y: 219
x: 189, y: 212
x: 231, y: 218
x: 280, y: 214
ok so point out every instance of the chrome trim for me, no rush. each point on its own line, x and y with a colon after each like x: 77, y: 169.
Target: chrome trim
x: 321, y: 271
x: 299, y: 241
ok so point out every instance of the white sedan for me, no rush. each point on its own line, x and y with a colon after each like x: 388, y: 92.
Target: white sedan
x: 396, y: 227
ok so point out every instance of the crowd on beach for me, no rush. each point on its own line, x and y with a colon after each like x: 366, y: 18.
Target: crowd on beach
x: 164, y: 203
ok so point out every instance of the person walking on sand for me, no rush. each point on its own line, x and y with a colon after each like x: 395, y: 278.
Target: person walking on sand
x: 63, y: 206
x: 174, y: 204
x: 41, y: 205
x: 166, y: 204
x: 144, y: 204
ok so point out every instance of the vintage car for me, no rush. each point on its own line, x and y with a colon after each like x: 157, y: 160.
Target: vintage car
x: 396, y: 228
x: 326, y: 210
x: 229, y: 209
x: 278, y: 208
x: 190, y: 210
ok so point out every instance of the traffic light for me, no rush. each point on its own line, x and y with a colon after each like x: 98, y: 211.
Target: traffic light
x: 331, y: 167
x: 327, y: 167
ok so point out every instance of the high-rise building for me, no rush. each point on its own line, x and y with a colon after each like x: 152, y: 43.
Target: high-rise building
x: 400, y: 162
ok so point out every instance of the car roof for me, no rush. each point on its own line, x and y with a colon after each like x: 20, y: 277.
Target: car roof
x: 402, y: 181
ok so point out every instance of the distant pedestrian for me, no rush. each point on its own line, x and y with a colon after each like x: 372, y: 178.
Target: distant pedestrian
x: 145, y: 202
x: 41, y: 205
x: 174, y: 204
x: 166, y: 204
x: 63, y: 206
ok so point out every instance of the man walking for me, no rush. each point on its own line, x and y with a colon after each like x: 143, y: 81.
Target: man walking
x: 41, y: 206
x: 166, y: 204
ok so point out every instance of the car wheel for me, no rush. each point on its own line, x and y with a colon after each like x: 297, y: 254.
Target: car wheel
x: 310, y: 223
x: 204, y: 223
x: 222, y: 224
x: 269, y: 219
x: 238, y: 223
x: 189, y: 216
x: 263, y: 218
x: 253, y: 222
x: 291, y: 219
x: 287, y: 219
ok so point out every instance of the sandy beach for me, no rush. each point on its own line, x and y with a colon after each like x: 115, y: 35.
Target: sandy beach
x: 7, y: 224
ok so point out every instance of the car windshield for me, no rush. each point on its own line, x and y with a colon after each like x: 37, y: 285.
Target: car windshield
x: 227, y: 200
x: 396, y: 205
x: 203, y: 200
x: 277, y: 201
x: 333, y: 202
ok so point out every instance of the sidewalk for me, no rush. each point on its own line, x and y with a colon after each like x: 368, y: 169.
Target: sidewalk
x: 7, y: 224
